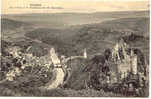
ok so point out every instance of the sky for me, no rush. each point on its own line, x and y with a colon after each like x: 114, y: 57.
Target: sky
x: 78, y: 6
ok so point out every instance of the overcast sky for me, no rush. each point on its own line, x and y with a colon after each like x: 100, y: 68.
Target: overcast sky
x: 86, y: 6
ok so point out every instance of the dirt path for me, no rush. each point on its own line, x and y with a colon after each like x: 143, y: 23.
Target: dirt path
x: 58, y: 79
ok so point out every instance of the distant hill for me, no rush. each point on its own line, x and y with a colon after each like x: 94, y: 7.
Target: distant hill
x: 63, y: 20
x: 76, y: 31
x: 8, y: 24
x: 138, y: 24
x: 98, y: 37
x: 95, y: 37
x: 13, y: 30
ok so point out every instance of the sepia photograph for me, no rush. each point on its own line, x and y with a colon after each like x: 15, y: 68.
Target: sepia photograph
x: 75, y: 48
